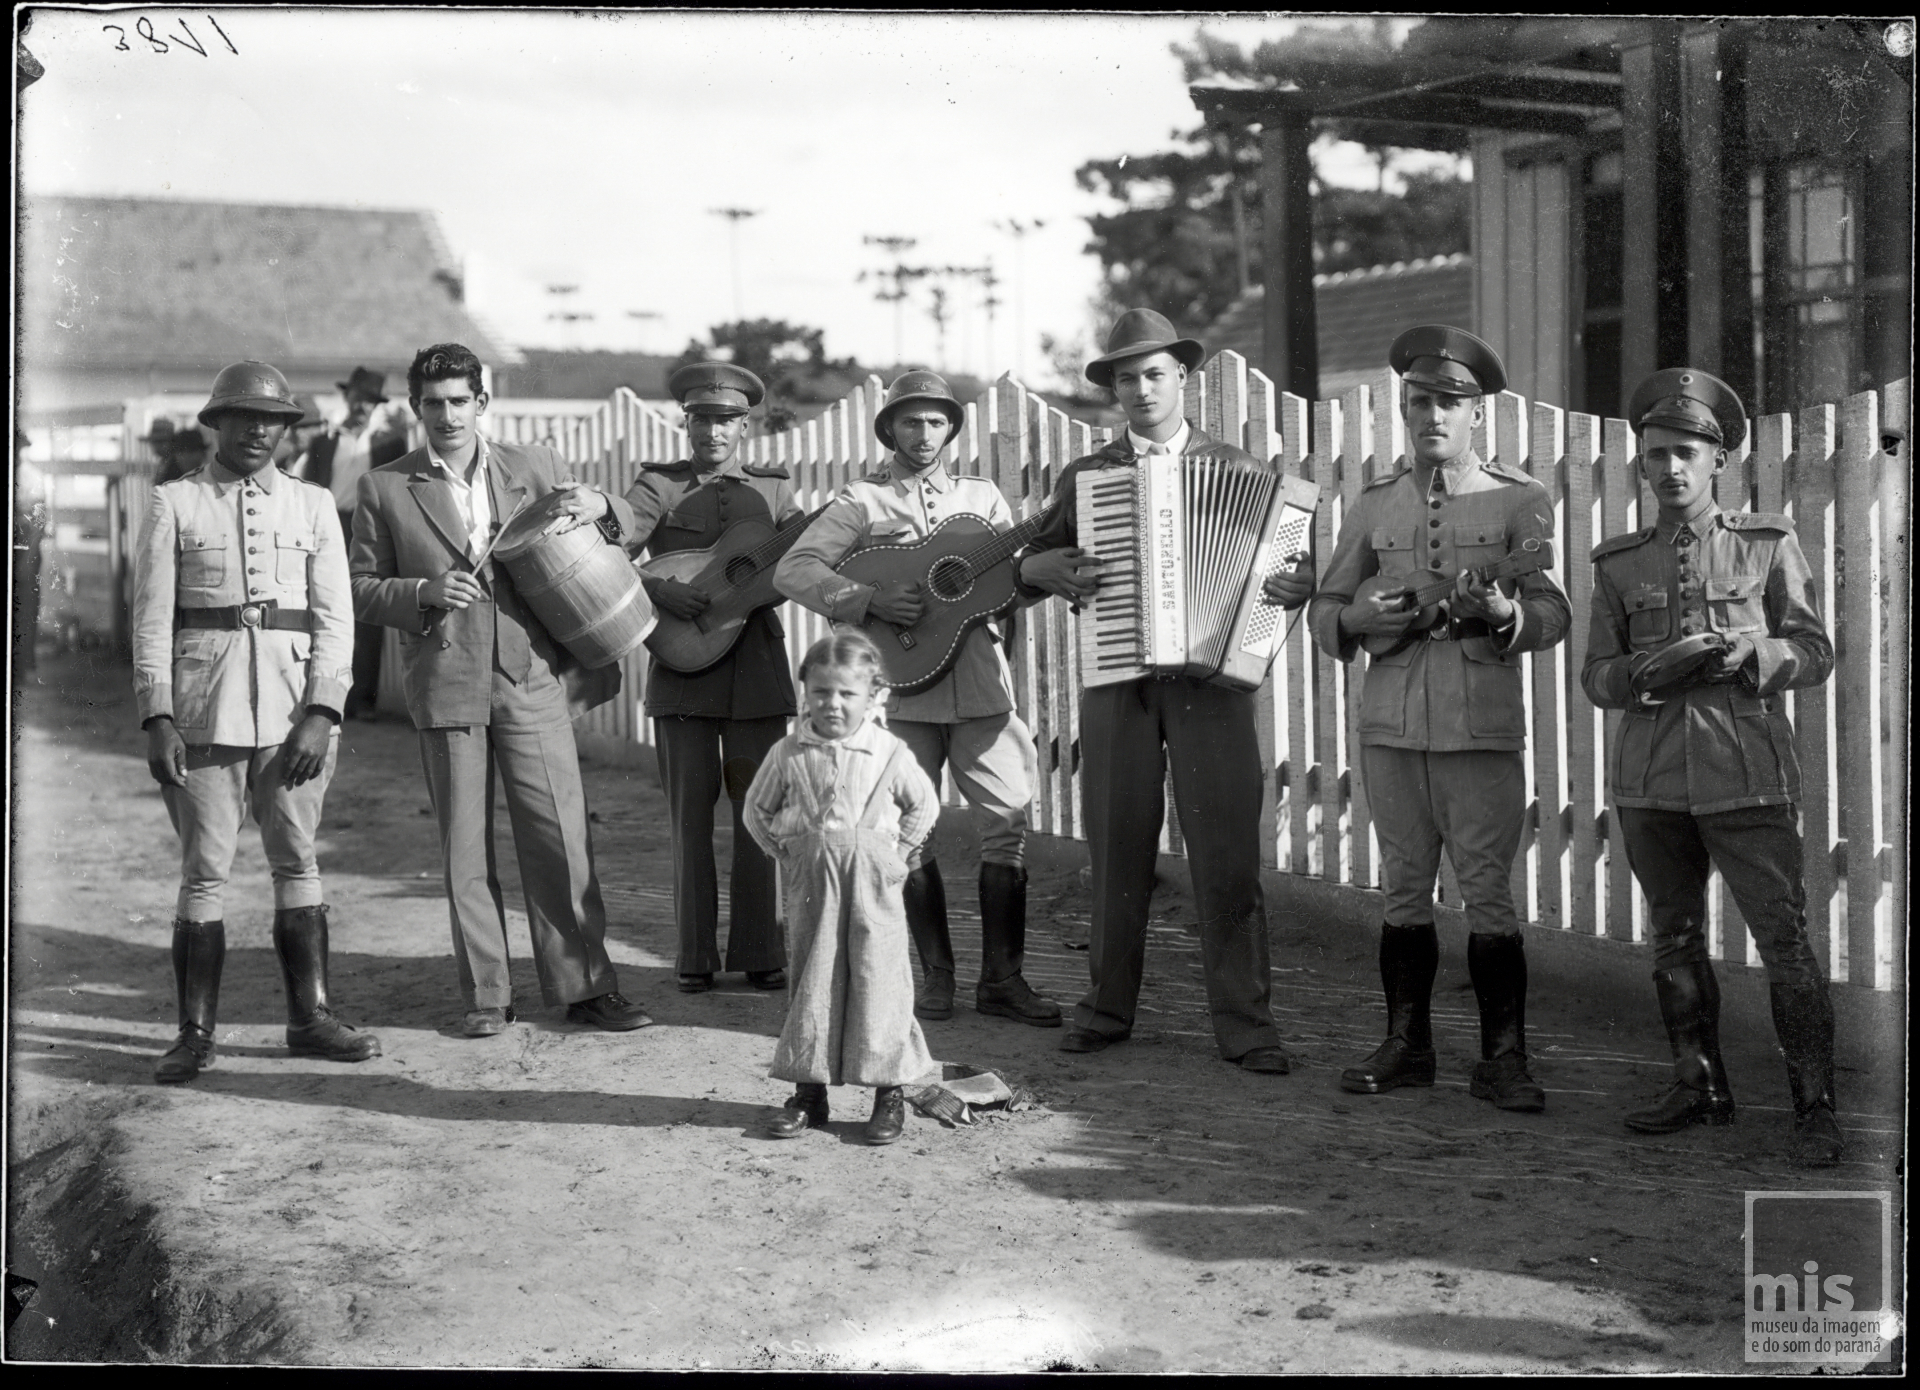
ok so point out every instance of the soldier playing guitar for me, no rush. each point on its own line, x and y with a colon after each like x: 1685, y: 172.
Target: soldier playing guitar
x: 735, y: 709
x: 965, y: 719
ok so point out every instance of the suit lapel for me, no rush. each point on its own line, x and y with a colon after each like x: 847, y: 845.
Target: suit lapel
x: 435, y: 497
x: 511, y: 488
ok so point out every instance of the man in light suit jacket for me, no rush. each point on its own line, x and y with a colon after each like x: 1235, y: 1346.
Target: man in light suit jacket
x: 486, y: 688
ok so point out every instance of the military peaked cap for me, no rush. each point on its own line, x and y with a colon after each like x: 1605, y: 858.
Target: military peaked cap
x: 716, y: 388
x: 1138, y: 332
x: 1446, y: 359
x: 916, y: 386
x: 1686, y: 398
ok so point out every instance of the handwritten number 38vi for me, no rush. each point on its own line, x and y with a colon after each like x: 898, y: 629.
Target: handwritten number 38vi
x: 155, y: 44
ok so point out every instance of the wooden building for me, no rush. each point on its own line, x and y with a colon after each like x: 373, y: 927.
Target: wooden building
x: 1735, y: 195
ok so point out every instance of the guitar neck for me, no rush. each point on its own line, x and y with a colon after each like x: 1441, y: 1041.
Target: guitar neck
x: 1005, y: 544
x: 781, y: 541
x: 1429, y: 591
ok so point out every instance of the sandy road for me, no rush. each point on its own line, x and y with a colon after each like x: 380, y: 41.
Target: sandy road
x: 560, y: 1197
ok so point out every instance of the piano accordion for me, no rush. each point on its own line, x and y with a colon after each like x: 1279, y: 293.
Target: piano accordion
x: 1186, y: 543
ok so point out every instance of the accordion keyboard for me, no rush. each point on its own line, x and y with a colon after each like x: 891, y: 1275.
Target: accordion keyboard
x: 1112, y: 637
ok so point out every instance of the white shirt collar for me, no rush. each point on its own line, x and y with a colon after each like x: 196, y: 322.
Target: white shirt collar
x: 479, y: 460
x: 1176, y: 445
x: 861, y: 740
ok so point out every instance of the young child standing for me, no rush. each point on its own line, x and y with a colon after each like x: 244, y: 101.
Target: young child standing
x: 839, y: 803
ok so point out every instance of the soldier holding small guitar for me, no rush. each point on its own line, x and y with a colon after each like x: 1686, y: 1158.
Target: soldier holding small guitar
x: 722, y: 709
x: 1443, y: 718
x: 920, y: 558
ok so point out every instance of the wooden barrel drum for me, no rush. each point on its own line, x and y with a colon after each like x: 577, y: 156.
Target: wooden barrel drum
x: 580, y: 588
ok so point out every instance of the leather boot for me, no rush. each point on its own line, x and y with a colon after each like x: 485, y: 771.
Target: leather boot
x: 1003, y: 949
x: 1690, y: 1007
x: 925, y: 896
x: 199, y: 950
x: 889, y: 1115
x: 805, y: 1109
x: 1409, y: 959
x: 1803, y: 1018
x: 300, y: 941
x: 1498, y: 965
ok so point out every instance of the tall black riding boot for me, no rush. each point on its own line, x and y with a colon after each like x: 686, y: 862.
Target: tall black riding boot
x: 1498, y: 965
x: 300, y: 940
x: 925, y: 895
x: 199, y: 950
x: 1003, y: 948
x: 1409, y: 959
x: 1803, y: 1018
x: 1690, y: 1007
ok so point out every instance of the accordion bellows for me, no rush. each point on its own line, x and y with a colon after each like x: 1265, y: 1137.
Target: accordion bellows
x: 1186, y: 544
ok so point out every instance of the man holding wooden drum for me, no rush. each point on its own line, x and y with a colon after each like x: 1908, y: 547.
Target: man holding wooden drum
x: 713, y: 726
x: 1443, y: 717
x: 1700, y: 623
x: 486, y: 688
x: 965, y: 720
x: 1131, y: 734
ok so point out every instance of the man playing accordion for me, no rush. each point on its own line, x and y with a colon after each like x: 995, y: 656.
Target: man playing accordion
x: 1132, y: 733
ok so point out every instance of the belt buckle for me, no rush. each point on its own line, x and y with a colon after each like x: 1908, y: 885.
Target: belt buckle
x: 1440, y: 631
x: 252, y: 614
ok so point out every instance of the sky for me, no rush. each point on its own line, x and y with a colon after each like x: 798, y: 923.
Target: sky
x: 591, y: 149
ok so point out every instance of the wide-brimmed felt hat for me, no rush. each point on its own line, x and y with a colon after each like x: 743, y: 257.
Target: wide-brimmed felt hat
x: 366, y: 381
x: 1140, y: 331
x: 1449, y: 360
x: 916, y: 386
x: 716, y: 388
x: 1686, y: 398
x: 310, y: 411
x: 165, y: 436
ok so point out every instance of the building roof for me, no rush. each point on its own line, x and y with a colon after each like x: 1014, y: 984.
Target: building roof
x: 120, y: 282
x: 1359, y: 312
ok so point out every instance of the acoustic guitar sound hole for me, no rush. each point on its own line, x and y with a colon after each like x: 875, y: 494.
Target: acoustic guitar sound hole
x: 950, y: 578
x: 741, y: 569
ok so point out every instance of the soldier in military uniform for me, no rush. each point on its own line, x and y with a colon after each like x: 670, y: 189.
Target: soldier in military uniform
x: 713, y: 727
x: 966, y: 719
x: 1700, y: 623
x: 1130, y: 734
x: 242, y: 649
x: 1443, y: 719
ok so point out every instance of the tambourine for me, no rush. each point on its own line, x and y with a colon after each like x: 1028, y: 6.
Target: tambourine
x: 1678, y: 665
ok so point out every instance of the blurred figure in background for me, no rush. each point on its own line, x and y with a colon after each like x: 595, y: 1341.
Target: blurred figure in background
x: 176, y: 452
x: 290, y: 455
x: 29, y: 533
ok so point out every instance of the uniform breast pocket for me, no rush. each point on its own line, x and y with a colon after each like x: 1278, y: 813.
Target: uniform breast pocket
x: 203, y: 560
x: 1735, y: 604
x: 683, y: 528
x: 292, y: 550
x: 1649, y: 620
x: 1393, y: 550
x: 890, y: 533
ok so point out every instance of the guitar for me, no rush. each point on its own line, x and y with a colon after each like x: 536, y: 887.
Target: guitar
x: 736, y: 575
x: 1422, y: 591
x: 966, y: 576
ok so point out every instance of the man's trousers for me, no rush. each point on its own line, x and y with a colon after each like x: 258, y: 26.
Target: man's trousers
x: 1130, y: 735
x: 1473, y: 803
x: 699, y: 758
x: 223, y: 783
x: 529, y: 743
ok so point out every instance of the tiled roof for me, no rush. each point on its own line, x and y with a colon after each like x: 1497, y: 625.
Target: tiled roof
x: 1360, y: 312
x: 120, y: 282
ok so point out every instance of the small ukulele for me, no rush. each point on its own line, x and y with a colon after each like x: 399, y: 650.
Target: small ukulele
x: 1421, y: 592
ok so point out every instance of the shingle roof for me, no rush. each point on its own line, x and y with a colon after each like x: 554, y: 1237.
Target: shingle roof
x: 116, y: 282
x: 1360, y: 312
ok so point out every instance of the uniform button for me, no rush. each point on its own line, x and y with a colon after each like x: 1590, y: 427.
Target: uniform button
x: 445, y: 644
x: 1435, y: 523
x: 1437, y: 503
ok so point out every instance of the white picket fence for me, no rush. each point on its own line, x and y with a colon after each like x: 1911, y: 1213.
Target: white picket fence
x: 1823, y: 466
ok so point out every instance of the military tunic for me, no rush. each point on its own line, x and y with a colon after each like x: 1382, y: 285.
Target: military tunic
x: 1709, y: 775
x: 217, y: 539
x: 1443, y: 720
x: 713, y: 728
x: 677, y: 508
x: 966, y: 719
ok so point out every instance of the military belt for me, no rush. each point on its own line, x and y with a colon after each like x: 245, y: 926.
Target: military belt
x: 239, y: 615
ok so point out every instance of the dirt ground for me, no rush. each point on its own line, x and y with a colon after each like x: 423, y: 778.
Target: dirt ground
x: 563, y: 1197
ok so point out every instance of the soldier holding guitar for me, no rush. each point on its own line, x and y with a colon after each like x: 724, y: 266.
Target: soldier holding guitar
x: 1442, y: 720
x: 714, y: 724
x: 953, y: 704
